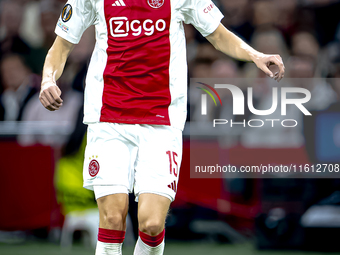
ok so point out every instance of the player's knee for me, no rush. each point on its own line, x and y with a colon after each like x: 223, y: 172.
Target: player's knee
x: 114, y: 220
x: 152, y: 227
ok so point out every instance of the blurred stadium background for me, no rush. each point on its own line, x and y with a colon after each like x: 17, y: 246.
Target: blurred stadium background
x: 45, y: 210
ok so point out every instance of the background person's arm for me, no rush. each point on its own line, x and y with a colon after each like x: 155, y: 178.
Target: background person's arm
x: 53, y: 68
x: 227, y: 42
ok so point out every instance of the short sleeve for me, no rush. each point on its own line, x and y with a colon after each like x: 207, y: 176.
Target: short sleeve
x: 75, y: 18
x: 202, y: 14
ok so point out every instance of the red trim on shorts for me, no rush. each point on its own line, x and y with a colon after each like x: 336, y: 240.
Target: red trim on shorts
x: 152, y: 241
x: 111, y: 236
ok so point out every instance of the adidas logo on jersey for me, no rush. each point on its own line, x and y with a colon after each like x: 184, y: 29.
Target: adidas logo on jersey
x: 119, y: 3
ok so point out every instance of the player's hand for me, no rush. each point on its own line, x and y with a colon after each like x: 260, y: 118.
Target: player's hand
x: 263, y: 61
x: 50, y: 96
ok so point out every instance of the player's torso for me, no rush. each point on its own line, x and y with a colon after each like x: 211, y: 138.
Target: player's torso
x: 134, y: 21
x: 137, y: 32
x: 128, y: 20
x: 141, y: 38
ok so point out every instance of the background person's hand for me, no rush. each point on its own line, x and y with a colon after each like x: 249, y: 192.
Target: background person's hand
x: 263, y: 61
x: 50, y: 96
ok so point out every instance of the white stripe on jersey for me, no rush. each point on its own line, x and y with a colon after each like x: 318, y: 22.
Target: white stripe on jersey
x: 177, y: 74
x: 94, y: 79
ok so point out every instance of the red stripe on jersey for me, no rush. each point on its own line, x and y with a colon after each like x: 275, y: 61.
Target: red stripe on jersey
x: 136, y: 77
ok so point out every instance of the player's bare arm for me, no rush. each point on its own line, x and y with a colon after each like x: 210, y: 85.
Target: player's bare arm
x: 53, y: 68
x: 227, y: 42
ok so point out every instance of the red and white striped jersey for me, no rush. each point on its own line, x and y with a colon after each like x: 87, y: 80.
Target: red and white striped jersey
x: 138, y: 70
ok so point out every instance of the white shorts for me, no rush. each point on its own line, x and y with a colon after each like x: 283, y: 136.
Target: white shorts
x: 120, y: 158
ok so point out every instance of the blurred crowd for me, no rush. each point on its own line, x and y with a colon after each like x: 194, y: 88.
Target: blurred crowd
x: 306, y: 33
x: 26, y: 34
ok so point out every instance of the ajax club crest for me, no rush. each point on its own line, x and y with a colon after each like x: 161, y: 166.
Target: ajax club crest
x: 155, y: 3
x: 93, y: 167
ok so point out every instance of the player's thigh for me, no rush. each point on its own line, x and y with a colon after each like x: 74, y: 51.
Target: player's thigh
x: 158, y: 161
x: 109, y: 157
x: 152, y: 212
x: 113, y: 210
